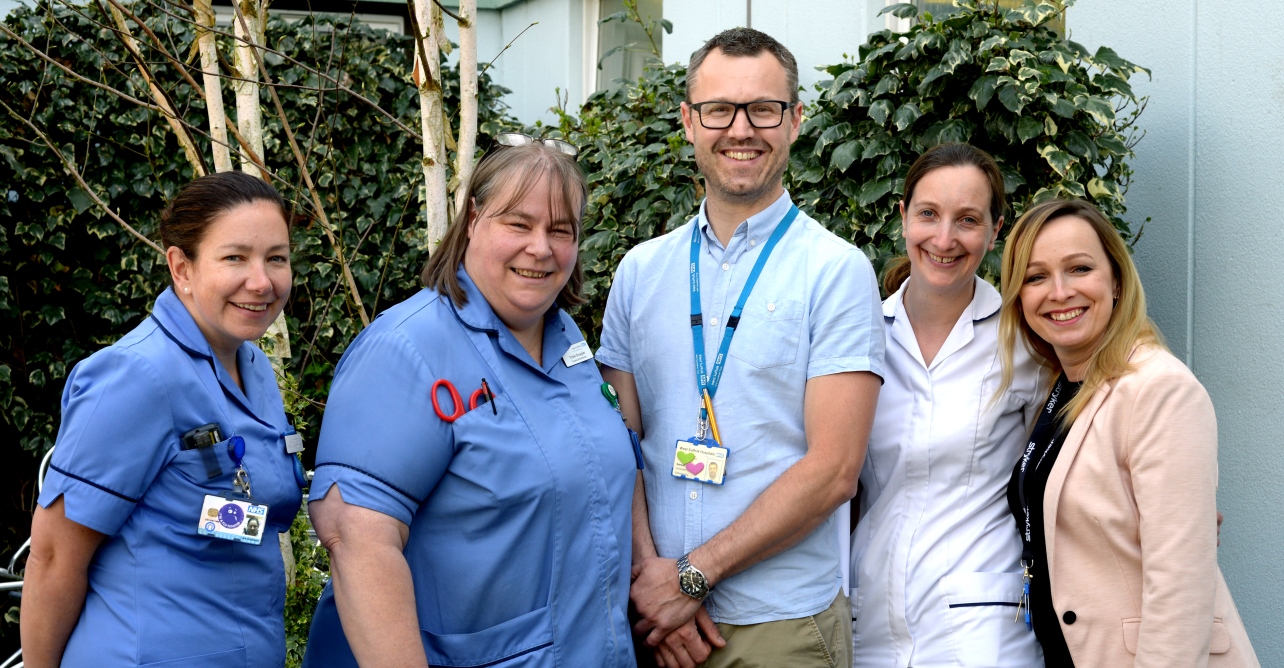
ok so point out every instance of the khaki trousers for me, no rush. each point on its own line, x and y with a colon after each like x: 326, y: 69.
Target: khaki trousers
x: 823, y: 640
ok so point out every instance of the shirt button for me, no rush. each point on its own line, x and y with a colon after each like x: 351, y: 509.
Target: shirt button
x: 695, y: 495
x: 725, y: 266
x: 714, y: 322
x: 1068, y: 618
x: 771, y: 307
x: 753, y: 242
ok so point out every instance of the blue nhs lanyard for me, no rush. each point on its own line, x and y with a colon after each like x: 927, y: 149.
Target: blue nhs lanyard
x: 709, y: 381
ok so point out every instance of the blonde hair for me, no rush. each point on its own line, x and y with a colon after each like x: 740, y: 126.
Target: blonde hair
x: 1129, y: 325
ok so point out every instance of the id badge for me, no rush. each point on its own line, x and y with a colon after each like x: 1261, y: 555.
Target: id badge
x: 701, y: 460
x: 232, y: 519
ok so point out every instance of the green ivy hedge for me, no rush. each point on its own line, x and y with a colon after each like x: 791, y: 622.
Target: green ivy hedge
x: 1058, y: 119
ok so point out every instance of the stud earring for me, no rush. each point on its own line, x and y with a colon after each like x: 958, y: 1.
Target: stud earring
x: 186, y: 289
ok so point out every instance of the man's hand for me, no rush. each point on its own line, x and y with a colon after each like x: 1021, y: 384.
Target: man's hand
x: 659, y: 599
x: 691, y: 644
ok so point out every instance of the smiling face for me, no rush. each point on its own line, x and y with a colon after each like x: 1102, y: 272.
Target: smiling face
x: 741, y: 164
x: 1069, y: 290
x: 521, y: 259
x: 240, y: 278
x: 947, y: 227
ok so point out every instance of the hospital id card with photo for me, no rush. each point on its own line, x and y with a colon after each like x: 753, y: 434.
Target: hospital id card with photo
x: 232, y: 519
x: 700, y: 460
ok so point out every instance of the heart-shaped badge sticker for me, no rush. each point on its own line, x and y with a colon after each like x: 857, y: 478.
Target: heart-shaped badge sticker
x: 686, y: 457
x: 696, y: 468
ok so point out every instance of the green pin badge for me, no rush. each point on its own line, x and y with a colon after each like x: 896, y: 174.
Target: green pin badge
x: 609, y: 392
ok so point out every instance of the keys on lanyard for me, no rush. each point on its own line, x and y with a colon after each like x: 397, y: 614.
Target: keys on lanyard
x: 1024, y: 603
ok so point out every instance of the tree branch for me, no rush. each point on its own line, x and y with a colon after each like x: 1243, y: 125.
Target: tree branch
x: 71, y: 169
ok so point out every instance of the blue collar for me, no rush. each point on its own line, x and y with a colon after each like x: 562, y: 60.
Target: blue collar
x: 177, y: 323
x: 478, y: 315
x: 758, y: 226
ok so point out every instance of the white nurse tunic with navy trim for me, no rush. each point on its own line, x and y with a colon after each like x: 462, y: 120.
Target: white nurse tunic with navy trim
x: 936, y: 569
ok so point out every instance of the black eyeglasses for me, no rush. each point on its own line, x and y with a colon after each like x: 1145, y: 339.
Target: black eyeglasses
x: 762, y: 114
x: 521, y: 139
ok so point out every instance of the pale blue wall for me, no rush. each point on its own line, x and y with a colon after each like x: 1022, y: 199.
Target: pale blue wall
x: 1209, y: 173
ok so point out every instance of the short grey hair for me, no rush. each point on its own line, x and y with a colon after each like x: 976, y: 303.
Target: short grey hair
x: 745, y: 43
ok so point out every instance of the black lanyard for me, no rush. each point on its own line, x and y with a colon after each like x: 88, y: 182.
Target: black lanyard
x: 1046, y: 425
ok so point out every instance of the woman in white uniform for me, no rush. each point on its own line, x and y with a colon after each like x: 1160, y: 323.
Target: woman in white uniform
x: 936, y: 572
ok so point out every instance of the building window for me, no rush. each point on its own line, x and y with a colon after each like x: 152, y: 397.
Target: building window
x: 623, y: 48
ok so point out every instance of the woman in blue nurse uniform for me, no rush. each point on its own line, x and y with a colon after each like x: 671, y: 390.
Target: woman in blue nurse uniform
x: 491, y: 528
x: 128, y: 566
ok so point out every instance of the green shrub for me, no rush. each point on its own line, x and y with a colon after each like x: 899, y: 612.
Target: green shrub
x: 1058, y: 119
x: 641, y: 173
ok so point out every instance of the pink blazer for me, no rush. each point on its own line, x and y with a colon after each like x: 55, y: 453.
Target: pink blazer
x: 1133, y: 549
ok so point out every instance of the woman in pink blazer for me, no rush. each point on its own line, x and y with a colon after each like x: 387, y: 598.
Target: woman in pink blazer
x: 1115, y: 494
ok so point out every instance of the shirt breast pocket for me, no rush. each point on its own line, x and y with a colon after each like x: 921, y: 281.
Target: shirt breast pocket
x: 769, y: 332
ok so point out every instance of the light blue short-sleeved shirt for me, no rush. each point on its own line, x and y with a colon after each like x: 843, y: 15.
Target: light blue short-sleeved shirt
x: 158, y: 591
x: 813, y: 312
x: 519, y: 512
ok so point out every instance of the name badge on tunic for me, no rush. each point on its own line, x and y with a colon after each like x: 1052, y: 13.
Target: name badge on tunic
x: 293, y: 442
x: 232, y: 519
x: 578, y: 352
x: 701, y: 460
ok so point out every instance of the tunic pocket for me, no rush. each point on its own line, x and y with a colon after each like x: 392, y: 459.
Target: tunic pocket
x: 984, y: 629
x: 521, y: 641
x: 768, y: 333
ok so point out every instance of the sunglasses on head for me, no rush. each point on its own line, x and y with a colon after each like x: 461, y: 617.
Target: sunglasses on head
x: 522, y: 139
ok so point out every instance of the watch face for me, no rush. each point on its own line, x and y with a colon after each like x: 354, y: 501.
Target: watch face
x: 692, y: 584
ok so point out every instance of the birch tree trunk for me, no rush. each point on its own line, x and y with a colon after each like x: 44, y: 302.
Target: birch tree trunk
x: 213, y: 86
x: 467, y: 100
x: 427, y: 76
x: 249, y: 116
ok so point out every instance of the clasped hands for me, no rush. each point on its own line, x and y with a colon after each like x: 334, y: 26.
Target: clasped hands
x: 676, y: 625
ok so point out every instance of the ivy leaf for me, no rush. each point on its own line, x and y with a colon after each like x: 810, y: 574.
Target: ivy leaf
x: 1028, y: 128
x: 1099, y: 188
x: 1011, y: 98
x: 906, y: 115
x: 1049, y: 126
x: 991, y: 42
x: 932, y: 75
x: 888, y: 84
x: 873, y: 190
x: 1058, y: 160
x: 880, y: 110
x: 80, y: 199
x: 1096, y: 107
x: 983, y: 90
x: 998, y: 64
x: 901, y: 10
x: 845, y: 155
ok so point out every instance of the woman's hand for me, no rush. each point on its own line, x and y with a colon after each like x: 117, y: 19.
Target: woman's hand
x: 372, y: 586
x: 56, y: 579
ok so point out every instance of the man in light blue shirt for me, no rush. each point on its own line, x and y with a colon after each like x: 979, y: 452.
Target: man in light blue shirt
x: 794, y: 395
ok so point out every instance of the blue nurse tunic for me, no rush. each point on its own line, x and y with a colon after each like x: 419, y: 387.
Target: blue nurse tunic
x: 160, y: 593
x: 519, y: 512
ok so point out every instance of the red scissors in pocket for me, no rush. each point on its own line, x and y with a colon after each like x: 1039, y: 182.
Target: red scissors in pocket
x: 457, y: 408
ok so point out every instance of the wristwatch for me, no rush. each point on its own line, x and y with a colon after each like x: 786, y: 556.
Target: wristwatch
x: 691, y: 580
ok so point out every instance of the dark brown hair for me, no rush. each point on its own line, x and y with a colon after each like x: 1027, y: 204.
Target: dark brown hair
x: 945, y: 155
x: 500, y: 182
x: 745, y: 43
x: 184, y: 222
